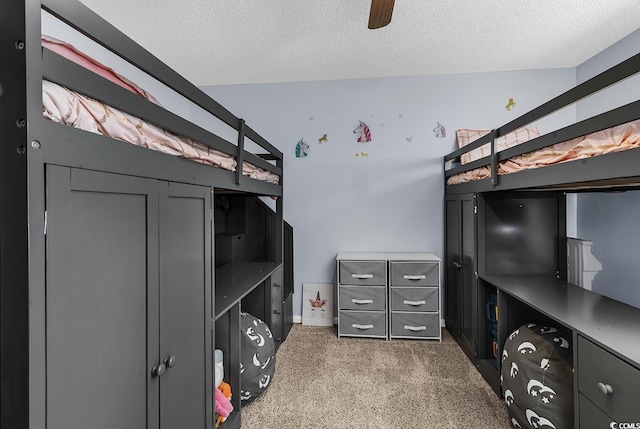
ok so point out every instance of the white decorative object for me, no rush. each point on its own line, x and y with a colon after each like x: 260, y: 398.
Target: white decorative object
x: 219, y: 372
x: 582, y: 266
x: 317, y: 304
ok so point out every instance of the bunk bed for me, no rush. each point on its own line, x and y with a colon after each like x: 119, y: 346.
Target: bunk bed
x: 604, y: 167
x: 111, y: 303
x: 506, y: 238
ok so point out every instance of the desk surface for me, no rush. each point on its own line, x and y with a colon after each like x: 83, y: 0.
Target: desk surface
x: 236, y: 279
x: 612, y: 324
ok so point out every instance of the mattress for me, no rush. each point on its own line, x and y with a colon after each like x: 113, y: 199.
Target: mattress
x: 614, y: 139
x: 68, y: 107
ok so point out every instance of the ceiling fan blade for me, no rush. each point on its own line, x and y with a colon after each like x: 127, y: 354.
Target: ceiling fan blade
x: 380, y: 15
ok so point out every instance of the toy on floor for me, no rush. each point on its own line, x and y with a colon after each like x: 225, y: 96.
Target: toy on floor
x: 224, y: 407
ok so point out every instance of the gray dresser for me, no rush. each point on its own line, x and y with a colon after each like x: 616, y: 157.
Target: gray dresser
x: 362, y: 295
x: 389, y: 295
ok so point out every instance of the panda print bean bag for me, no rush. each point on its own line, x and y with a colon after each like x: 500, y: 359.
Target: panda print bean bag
x: 257, y: 357
x: 537, y: 377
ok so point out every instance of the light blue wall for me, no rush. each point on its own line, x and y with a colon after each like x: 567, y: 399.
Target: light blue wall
x: 392, y: 200
x: 610, y: 220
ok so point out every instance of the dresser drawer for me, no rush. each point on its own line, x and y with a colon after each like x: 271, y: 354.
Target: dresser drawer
x: 363, y: 298
x: 363, y: 323
x: 608, y: 382
x: 416, y: 325
x: 276, y: 285
x: 414, y: 299
x: 276, y: 311
x: 592, y: 416
x: 414, y: 273
x: 276, y: 292
x: 368, y: 273
x: 277, y: 333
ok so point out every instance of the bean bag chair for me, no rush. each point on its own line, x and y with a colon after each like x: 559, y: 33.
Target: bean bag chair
x: 537, y: 377
x: 257, y: 357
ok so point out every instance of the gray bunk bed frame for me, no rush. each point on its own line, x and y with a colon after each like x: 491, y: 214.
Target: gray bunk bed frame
x: 29, y: 144
x: 609, y: 170
x: 505, y: 245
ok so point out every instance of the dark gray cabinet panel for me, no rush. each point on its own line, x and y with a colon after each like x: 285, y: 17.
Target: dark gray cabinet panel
x: 101, y: 315
x: 452, y: 262
x: 468, y: 287
x: 128, y: 287
x: 460, y: 280
x: 185, y: 305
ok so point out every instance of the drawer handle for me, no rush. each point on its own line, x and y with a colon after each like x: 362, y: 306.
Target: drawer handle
x: 605, y: 389
x: 415, y: 328
x: 358, y: 326
x: 362, y: 276
x: 414, y: 277
x: 414, y: 303
x: 362, y: 301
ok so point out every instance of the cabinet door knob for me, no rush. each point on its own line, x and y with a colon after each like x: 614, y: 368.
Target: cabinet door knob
x: 277, y: 312
x: 457, y: 265
x: 277, y: 285
x: 169, y: 361
x: 605, y: 389
x: 158, y: 370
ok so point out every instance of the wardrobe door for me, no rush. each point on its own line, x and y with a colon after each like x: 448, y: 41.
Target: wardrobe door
x: 467, y: 272
x: 461, y: 267
x: 453, y: 260
x: 186, y: 394
x: 101, y: 300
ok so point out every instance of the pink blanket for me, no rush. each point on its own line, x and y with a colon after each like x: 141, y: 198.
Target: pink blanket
x: 615, y: 139
x: 71, y: 108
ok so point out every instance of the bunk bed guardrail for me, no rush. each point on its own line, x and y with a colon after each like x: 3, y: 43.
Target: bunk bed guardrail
x: 66, y: 73
x: 618, y: 116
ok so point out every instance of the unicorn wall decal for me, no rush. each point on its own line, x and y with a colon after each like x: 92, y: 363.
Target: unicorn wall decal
x: 301, y: 149
x: 510, y: 105
x: 440, y: 131
x: 364, y: 133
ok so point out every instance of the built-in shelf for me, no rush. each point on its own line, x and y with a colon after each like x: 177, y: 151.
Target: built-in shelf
x: 612, y: 324
x: 236, y: 279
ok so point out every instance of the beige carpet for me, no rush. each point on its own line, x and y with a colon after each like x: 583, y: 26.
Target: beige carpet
x: 325, y: 382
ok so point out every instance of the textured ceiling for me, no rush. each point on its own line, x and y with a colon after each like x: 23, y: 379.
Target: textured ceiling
x: 219, y: 42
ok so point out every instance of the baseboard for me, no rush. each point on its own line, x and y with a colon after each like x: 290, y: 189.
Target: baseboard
x: 297, y: 319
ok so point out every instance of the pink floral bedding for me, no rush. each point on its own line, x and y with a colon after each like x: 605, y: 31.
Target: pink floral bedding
x: 71, y: 108
x: 615, y: 139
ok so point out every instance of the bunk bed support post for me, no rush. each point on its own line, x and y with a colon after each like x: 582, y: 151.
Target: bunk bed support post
x: 279, y: 229
x: 240, y: 153
x: 494, y: 158
x: 14, y: 228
